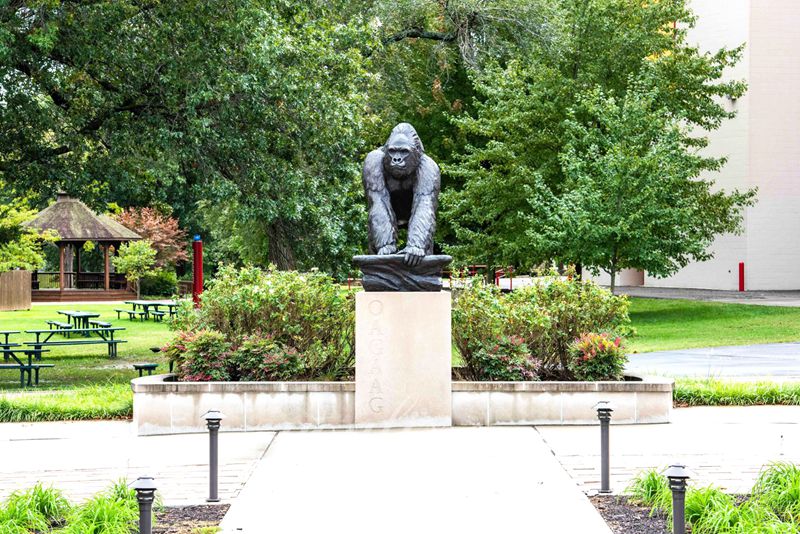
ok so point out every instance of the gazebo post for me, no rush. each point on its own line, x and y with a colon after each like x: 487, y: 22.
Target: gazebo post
x: 61, y: 266
x: 106, y: 268
x: 78, y: 248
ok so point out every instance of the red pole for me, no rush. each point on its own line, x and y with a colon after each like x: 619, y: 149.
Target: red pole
x: 197, y: 268
x: 741, y: 276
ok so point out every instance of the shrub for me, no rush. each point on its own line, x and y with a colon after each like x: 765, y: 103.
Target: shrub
x: 548, y: 315
x: 597, y: 357
x: 261, y: 358
x: 205, y: 356
x: 306, y: 312
x: 506, y: 359
x: 571, y: 307
x: 163, y: 283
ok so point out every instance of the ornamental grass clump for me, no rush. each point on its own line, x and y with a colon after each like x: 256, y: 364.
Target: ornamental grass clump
x: 597, y: 357
x: 259, y: 324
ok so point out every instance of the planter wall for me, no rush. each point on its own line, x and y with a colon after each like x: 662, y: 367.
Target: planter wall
x: 164, y: 407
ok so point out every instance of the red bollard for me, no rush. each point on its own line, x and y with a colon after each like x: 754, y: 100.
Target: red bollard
x: 197, y: 268
x: 741, y: 276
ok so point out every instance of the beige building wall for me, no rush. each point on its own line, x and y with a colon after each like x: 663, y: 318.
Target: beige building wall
x: 762, y: 145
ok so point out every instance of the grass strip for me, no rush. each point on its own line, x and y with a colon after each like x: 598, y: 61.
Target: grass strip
x: 712, y: 392
x: 106, y: 401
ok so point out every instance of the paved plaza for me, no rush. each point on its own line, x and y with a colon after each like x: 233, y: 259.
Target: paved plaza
x: 449, y: 479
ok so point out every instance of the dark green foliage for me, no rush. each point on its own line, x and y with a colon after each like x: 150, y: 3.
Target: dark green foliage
x: 548, y: 315
x: 303, y: 314
x: 205, y: 356
x: 597, y: 357
x: 571, y: 307
x: 162, y: 283
x: 262, y: 359
x: 585, y: 151
x: 506, y: 359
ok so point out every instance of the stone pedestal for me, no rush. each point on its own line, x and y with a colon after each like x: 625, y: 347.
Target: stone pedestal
x: 403, y: 357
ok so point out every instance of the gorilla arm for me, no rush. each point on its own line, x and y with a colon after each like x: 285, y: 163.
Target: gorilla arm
x: 382, y: 224
x: 422, y: 223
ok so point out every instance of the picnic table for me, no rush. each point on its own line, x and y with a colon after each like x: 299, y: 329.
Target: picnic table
x: 79, y: 319
x: 7, y: 333
x: 106, y: 335
x: 24, y: 368
x: 145, y: 305
x: 6, y: 343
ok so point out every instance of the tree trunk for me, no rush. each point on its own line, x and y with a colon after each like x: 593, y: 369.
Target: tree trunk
x: 613, y: 276
x: 138, y: 288
x: 280, y: 248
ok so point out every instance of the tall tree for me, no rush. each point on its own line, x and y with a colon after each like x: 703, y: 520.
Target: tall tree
x: 635, y: 197
x: 512, y: 171
x: 258, y: 102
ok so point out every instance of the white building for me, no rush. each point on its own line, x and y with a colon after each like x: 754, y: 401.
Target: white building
x: 762, y: 145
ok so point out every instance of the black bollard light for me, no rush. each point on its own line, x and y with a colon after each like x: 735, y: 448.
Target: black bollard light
x: 604, y: 410
x: 145, y: 494
x: 677, y: 476
x: 213, y: 419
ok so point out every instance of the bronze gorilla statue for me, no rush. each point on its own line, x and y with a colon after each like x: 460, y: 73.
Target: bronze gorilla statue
x: 402, y: 188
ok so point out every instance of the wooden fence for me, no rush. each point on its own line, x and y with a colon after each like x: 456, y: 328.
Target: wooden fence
x: 15, y: 290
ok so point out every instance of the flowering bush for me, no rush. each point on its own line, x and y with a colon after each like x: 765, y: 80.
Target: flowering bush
x: 597, y: 357
x: 201, y: 356
x: 506, y: 359
x: 260, y: 358
x: 281, y: 325
x: 547, y: 315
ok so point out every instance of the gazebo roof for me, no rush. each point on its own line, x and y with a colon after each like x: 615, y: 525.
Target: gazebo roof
x: 74, y: 221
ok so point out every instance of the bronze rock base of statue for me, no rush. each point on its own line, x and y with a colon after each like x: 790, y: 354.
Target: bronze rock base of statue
x: 390, y: 273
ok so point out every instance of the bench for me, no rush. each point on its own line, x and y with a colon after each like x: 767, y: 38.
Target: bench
x: 99, y: 324
x: 141, y: 367
x: 158, y: 315
x: 112, y: 344
x: 132, y: 314
x: 59, y: 326
x: 26, y: 369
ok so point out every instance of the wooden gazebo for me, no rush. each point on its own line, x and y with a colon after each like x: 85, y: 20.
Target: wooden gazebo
x: 76, y: 224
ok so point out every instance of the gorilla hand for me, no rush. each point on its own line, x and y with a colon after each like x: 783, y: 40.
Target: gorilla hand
x: 387, y: 249
x: 413, y: 255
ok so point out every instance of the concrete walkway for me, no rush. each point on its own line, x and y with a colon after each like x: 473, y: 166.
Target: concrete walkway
x: 498, y: 479
x: 747, y: 362
x: 723, y: 446
x: 465, y: 480
x: 82, y: 458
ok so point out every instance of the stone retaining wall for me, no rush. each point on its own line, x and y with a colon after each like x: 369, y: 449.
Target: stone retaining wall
x: 161, y: 406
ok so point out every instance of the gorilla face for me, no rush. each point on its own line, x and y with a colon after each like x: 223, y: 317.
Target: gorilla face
x: 400, y: 158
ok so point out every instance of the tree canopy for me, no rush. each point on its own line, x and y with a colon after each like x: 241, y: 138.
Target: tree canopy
x: 248, y: 119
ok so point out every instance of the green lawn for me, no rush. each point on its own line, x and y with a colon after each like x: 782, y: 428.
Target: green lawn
x: 85, y: 364
x: 679, y: 324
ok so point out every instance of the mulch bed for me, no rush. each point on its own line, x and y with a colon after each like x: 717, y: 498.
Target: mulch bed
x: 623, y: 517
x: 185, y: 519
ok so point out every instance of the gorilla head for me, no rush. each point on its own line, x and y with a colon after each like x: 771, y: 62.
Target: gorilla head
x: 402, y: 152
